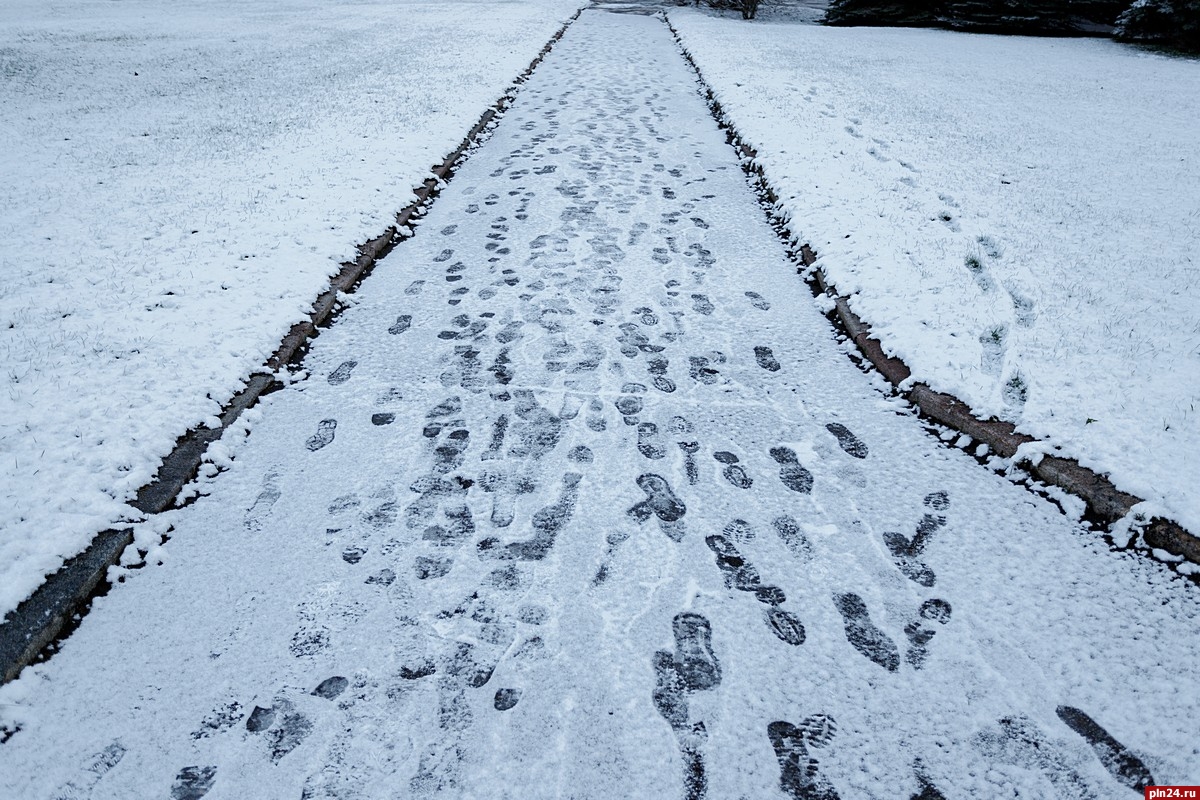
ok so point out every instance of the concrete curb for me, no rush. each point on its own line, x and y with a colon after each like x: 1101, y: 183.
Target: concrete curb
x: 39, y: 620
x: 1105, y: 502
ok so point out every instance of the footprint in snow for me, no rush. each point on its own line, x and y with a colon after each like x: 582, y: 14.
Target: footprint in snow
x: 402, y: 323
x: 547, y: 523
x: 96, y: 768
x: 630, y: 402
x: 506, y: 699
x: 905, y: 551
x: 342, y: 373
x: 739, y: 530
x: 192, y: 783
x: 323, y: 436
x: 657, y: 366
x: 800, y: 777
x: 504, y: 489
x: 934, y: 610
x: 432, y: 567
x: 285, y: 728
x: 699, y: 369
x: 791, y: 471
x: 660, y: 501
x: 257, y: 513
x: 1123, y: 765
x: 595, y: 418
x: 863, y: 634
x: 740, y: 574
x: 330, y: 688
x: 737, y: 572
x: 758, y: 301
x: 793, y: 537
x: 847, y: 440
x: 695, y: 661
x: 1019, y: 741
x: 927, y: 789
x: 692, y: 667
x: 766, y: 359
x: 733, y: 471
x: 650, y: 443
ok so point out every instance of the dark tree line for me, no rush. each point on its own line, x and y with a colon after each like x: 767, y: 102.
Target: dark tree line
x: 1174, y: 23
x: 749, y: 8
x: 1170, y: 22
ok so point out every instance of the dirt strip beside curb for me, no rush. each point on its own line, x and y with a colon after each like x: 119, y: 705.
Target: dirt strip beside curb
x: 37, y: 622
x: 1105, y: 502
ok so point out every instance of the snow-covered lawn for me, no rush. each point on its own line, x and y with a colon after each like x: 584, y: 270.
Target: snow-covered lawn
x: 177, y: 180
x: 1018, y: 218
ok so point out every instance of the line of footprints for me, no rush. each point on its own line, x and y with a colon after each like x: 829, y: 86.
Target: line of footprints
x: 693, y: 666
x: 521, y: 435
x: 522, y: 432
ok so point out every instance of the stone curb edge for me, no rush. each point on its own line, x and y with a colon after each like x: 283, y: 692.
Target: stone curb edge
x: 1105, y: 502
x: 37, y: 622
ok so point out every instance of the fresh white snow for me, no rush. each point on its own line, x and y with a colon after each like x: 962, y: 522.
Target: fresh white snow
x: 177, y: 180
x: 550, y: 508
x: 1017, y: 218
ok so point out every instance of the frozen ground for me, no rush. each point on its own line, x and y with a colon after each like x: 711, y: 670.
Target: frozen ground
x: 1018, y: 219
x: 178, y: 179
x: 583, y: 499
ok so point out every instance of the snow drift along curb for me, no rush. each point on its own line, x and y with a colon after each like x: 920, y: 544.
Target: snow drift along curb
x: 1105, y: 502
x: 38, y: 621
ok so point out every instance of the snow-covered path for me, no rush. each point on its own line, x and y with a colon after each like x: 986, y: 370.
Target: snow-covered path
x: 583, y: 499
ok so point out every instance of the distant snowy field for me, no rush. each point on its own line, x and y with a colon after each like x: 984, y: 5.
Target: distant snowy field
x: 177, y: 181
x: 1018, y: 219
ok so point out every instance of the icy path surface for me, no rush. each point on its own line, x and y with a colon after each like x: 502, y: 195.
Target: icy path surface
x: 583, y: 500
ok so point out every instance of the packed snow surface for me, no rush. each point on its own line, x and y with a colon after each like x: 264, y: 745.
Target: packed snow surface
x: 177, y: 180
x: 583, y: 499
x: 1017, y: 218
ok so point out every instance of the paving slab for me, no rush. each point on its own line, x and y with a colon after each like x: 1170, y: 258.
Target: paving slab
x: 582, y: 498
